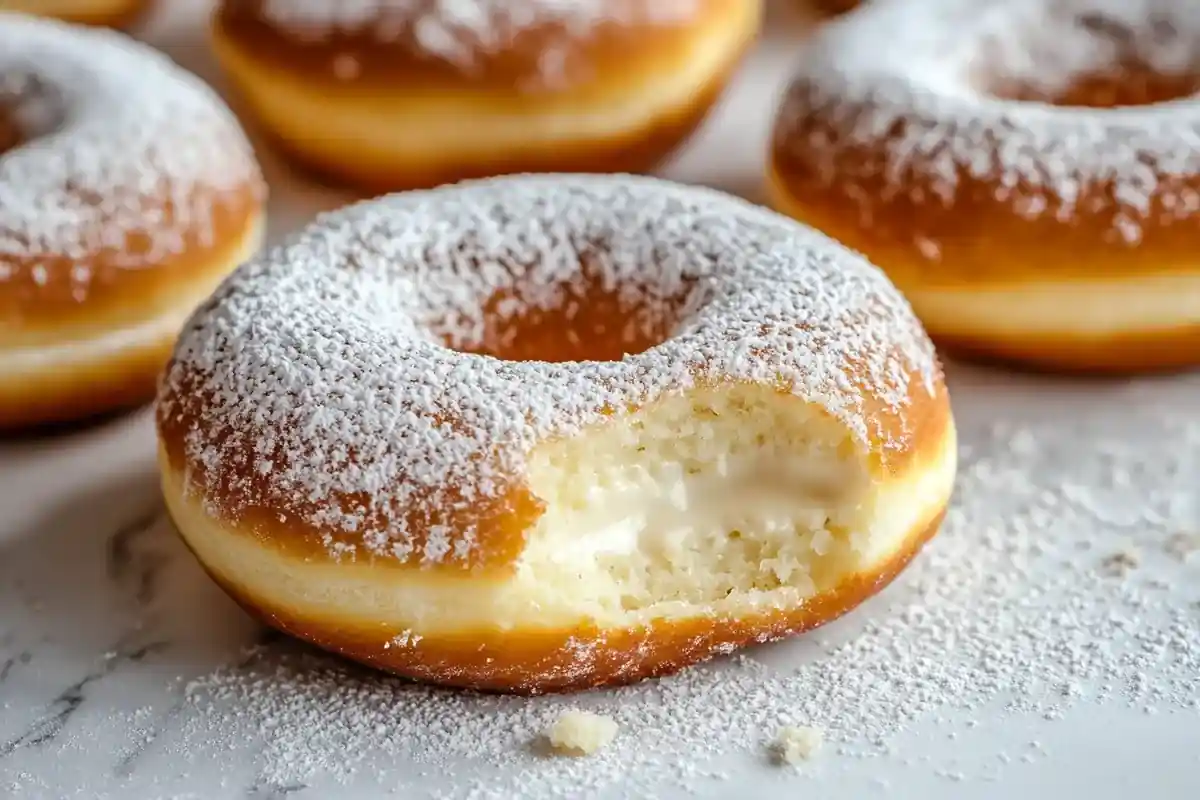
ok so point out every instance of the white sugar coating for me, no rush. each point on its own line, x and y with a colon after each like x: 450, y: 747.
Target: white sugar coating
x: 1004, y: 615
x: 319, y: 369
x: 460, y: 32
x: 455, y: 30
x: 112, y: 132
x: 918, y: 76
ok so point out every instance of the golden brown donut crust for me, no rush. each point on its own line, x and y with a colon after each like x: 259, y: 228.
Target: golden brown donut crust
x: 540, y: 662
x: 115, y: 14
x: 123, y: 379
x: 630, y: 152
x: 970, y: 227
x: 611, y: 51
x: 31, y: 311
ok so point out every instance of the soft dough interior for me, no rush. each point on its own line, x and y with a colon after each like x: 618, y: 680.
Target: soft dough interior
x: 699, y: 500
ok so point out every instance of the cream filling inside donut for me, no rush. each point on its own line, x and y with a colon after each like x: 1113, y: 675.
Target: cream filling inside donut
x: 721, y: 502
x: 1079, y: 309
x: 719, y: 499
x: 444, y: 128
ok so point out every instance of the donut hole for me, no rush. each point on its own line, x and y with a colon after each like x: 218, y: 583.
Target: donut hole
x: 29, y: 109
x: 705, y: 501
x: 10, y: 134
x: 585, y: 319
x: 1094, y: 60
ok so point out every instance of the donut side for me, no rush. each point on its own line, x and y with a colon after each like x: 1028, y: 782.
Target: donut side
x: 1026, y: 176
x: 695, y: 525
x: 986, y: 278
x: 107, y: 356
x: 112, y: 13
x: 619, y: 99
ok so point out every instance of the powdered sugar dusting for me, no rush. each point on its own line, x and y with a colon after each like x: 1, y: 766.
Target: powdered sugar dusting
x: 321, y: 385
x: 118, y: 145
x: 1005, y: 615
x: 459, y: 30
x: 917, y: 79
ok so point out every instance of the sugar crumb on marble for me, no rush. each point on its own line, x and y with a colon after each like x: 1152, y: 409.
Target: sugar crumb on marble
x: 581, y: 732
x: 1183, y: 546
x: 795, y: 744
x: 1122, y: 562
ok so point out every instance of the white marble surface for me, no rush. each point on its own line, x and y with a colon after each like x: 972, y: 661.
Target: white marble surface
x: 110, y: 635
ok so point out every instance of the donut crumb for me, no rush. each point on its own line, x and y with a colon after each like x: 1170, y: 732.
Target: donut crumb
x: 1183, y: 546
x: 1122, y: 562
x: 581, y: 732
x: 797, y: 743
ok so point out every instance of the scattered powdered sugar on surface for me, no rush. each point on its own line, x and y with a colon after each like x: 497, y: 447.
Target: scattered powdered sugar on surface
x: 118, y: 145
x: 321, y: 388
x: 907, y: 75
x: 1003, y: 614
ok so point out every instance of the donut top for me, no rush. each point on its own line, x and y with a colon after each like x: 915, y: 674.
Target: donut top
x: 118, y: 153
x: 940, y: 84
x: 538, y: 43
x: 454, y: 29
x: 326, y: 380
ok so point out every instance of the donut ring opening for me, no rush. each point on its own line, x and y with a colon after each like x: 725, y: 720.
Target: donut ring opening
x: 1150, y: 61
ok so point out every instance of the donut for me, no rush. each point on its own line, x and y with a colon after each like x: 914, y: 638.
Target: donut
x: 545, y: 433
x: 127, y: 192
x: 1027, y: 173
x: 117, y: 13
x: 418, y: 94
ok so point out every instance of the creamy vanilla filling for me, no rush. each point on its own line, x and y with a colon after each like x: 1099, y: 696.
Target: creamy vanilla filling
x: 380, y: 598
x: 1086, y: 308
x: 658, y: 512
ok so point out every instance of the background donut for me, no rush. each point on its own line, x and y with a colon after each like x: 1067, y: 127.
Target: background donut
x: 126, y: 193
x: 1027, y: 173
x: 388, y: 95
x: 117, y: 13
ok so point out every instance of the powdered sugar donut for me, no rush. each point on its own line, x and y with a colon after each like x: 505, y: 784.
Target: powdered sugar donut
x: 415, y: 93
x: 127, y: 191
x: 1028, y: 173
x: 536, y: 434
x: 91, y: 12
